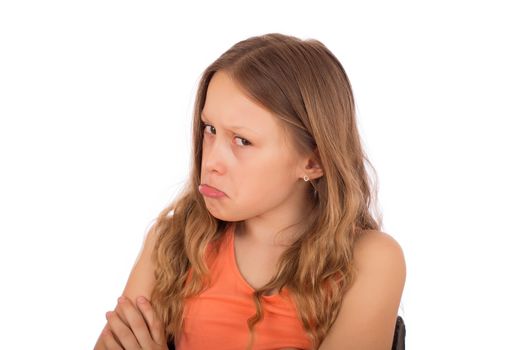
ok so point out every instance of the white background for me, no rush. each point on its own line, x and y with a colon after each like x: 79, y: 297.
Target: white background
x: 96, y: 99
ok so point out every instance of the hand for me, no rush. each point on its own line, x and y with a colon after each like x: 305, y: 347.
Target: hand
x: 132, y: 329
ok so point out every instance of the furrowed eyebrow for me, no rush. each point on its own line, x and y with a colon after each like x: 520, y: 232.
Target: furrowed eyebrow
x: 233, y: 127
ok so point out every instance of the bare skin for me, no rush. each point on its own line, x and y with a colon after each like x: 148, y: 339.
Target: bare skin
x: 257, y: 167
x: 256, y: 264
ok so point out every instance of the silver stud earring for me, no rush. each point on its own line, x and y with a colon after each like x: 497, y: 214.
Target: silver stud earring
x: 306, y: 178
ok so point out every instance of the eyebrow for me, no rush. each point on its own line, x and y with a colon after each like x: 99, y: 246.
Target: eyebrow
x: 233, y: 127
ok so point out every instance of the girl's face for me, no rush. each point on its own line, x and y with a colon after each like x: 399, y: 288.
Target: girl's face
x: 245, y: 155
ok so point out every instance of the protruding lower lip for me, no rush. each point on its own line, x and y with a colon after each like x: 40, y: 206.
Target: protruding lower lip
x: 211, y: 191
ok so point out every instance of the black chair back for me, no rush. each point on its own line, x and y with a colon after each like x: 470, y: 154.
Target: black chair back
x: 399, y: 335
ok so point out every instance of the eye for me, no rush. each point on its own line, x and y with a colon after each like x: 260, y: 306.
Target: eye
x: 243, y: 143
x: 206, y: 125
x: 247, y: 143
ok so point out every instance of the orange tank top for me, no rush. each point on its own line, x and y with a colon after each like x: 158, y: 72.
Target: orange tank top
x: 217, y: 317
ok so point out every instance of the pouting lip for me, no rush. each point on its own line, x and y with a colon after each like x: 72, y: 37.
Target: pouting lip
x: 215, y: 188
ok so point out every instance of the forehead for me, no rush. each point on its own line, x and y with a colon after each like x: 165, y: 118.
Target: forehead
x: 228, y: 105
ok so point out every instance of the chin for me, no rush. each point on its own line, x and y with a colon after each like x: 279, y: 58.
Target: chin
x: 216, y: 213
x: 225, y: 216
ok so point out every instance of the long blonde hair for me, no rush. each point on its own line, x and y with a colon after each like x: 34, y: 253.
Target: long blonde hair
x: 306, y: 87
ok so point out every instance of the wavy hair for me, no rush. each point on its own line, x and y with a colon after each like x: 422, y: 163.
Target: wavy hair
x: 307, y: 89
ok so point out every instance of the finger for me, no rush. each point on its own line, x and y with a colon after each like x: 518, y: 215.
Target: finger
x: 136, y: 322
x: 119, y: 310
x: 109, y: 340
x: 124, y: 335
x: 156, y: 327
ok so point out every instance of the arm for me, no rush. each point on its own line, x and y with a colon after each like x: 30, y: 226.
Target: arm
x: 141, y: 278
x: 368, y: 314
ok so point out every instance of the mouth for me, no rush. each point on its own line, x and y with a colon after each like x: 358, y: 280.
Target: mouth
x: 210, y: 191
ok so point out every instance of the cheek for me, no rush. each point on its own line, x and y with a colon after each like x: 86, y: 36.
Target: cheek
x: 263, y: 183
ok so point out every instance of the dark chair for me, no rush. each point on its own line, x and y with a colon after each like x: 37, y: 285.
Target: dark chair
x: 171, y: 344
x: 398, y: 344
x: 399, y: 335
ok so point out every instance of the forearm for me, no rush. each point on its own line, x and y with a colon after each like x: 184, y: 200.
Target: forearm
x: 100, y: 345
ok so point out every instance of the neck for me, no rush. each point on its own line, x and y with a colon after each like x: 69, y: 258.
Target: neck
x: 265, y: 235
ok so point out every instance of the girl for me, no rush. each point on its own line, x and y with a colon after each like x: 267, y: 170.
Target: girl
x: 272, y: 243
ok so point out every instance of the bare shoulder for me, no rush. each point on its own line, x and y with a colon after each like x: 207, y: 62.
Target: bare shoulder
x: 376, y: 247
x: 369, y: 309
x: 380, y: 263
x: 141, y: 278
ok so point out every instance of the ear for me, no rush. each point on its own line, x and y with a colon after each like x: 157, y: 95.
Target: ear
x: 311, y: 166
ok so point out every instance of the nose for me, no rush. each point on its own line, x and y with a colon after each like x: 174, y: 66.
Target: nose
x: 214, y: 155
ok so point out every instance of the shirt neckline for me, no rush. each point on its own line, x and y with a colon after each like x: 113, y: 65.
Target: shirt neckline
x: 233, y: 260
